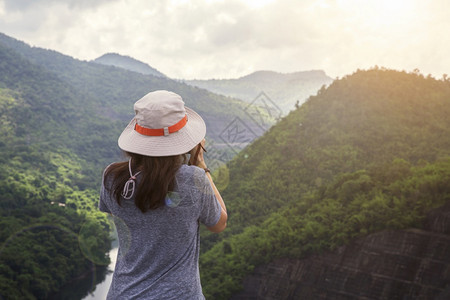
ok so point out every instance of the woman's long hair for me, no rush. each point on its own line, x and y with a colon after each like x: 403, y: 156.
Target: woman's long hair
x: 157, y: 178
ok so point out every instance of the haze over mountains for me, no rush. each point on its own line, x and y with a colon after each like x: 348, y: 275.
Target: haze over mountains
x: 113, y: 90
x: 282, y: 91
x: 285, y: 90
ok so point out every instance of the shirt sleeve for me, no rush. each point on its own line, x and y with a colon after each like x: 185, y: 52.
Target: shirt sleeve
x: 210, y: 206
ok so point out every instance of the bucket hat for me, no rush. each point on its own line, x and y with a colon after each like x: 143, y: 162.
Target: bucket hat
x: 162, y: 126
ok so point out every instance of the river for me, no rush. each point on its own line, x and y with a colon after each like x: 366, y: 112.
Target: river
x: 93, y: 284
x: 101, y: 289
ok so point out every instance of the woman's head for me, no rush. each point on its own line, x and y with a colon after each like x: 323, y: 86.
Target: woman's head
x: 163, y: 126
x: 156, y: 141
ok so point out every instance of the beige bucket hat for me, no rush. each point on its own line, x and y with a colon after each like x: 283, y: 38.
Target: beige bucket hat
x: 162, y: 126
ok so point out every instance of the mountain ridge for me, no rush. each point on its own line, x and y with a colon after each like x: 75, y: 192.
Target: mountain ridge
x: 128, y: 63
x: 285, y: 90
x: 368, y: 153
x: 112, y: 91
x: 269, y: 74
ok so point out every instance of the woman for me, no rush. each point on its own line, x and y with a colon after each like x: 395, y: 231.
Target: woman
x: 158, y: 201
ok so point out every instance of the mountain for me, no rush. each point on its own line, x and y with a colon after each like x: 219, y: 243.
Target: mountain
x: 112, y: 92
x: 369, y: 153
x: 60, y: 119
x: 284, y: 90
x: 128, y: 63
x: 48, y: 184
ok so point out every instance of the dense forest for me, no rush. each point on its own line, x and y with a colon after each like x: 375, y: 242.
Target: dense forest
x: 367, y: 153
x: 370, y: 152
x: 60, y: 119
x: 50, y: 229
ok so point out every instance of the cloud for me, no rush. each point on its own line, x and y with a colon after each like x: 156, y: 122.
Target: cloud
x: 225, y: 39
x: 24, y: 5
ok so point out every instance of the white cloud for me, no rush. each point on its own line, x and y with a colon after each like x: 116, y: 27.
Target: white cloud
x: 223, y: 39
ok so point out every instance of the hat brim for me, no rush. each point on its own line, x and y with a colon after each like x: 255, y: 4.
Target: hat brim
x: 176, y: 143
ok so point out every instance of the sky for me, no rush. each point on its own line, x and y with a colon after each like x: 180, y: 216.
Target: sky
x: 205, y: 39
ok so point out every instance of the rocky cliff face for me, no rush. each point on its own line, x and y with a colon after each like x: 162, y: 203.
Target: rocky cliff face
x: 400, y: 264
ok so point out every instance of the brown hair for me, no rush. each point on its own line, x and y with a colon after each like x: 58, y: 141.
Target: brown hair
x: 157, y: 178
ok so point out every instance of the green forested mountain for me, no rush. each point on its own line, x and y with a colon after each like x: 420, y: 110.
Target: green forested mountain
x: 50, y: 230
x: 59, y: 121
x: 113, y: 91
x: 370, y: 152
x: 285, y: 90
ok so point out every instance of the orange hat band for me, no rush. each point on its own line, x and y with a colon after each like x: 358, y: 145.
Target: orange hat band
x: 161, y: 131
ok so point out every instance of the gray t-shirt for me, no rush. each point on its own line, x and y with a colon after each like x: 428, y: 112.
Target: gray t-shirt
x: 159, y: 250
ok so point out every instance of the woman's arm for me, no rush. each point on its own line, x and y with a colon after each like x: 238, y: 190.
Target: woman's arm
x: 200, y: 162
x: 222, y: 223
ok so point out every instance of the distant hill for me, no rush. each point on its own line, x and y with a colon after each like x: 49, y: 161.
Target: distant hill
x: 128, y: 63
x: 282, y: 89
x: 371, y: 152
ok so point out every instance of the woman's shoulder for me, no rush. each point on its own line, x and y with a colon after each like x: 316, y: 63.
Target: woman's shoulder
x: 190, y: 174
x: 109, y: 168
x: 110, y: 171
x: 186, y: 170
x: 192, y: 184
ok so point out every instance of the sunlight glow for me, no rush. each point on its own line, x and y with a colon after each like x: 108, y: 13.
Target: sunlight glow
x: 393, y: 11
x: 380, y: 13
